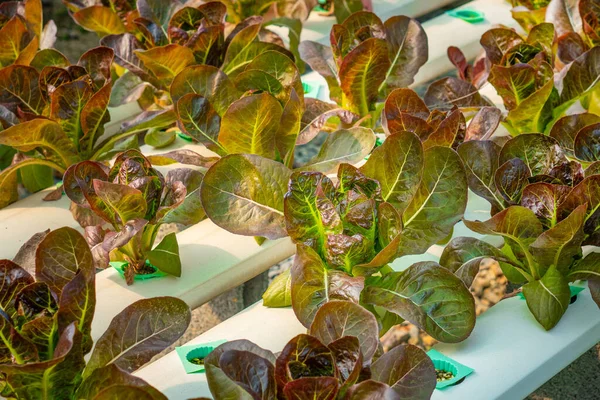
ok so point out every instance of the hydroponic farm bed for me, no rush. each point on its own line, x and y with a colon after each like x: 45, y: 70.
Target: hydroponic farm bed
x: 162, y: 169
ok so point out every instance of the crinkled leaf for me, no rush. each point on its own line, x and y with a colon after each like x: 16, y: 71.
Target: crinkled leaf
x: 35, y: 299
x: 208, y: 82
x: 218, y: 382
x: 429, y: 217
x: 398, y: 167
x: 310, y: 213
x: 244, y: 194
x: 510, y: 179
x: 566, y: 129
x: 344, y: 252
x: 498, y: 41
x: 139, y: 332
x: 255, y: 374
x: 316, y: 116
x: 517, y: 225
x: 66, y: 106
x: 314, y: 285
x: 336, y: 319
x: 342, y: 146
x: 60, y: 255
x: 430, y: 297
x: 481, y: 161
x: 587, y: 143
x: 539, y: 152
x: 44, y: 134
x: 362, y: 72
x: 52, y: 379
x: 167, y: 61
x: 407, y: 370
x: 543, y: 199
x: 405, y: 111
x: 15, y: 348
x: 448, y: 92
x: 122, y: 203
x: 19, y: 87
x: 560, y: 245
x: 303, y: 356
x: 449, y: 133
x: 13, y: 278
x: 197, y: 118
x: 587, y: 191
x: 249, y: 125
x: 408, y: 50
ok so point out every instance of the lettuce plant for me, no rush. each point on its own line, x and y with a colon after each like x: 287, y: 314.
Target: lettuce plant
x: 367, y: 60
x: 346, y: 236
x: 524, y: 73
x: 542, y: 248
x: 502, y: 174
x: 160, y: 39
x: 339, y: 358
x: 544, y: 205
x: 135, y: 200
x: 48, y: 305
x: 22, y: 32
x: 55, y: 115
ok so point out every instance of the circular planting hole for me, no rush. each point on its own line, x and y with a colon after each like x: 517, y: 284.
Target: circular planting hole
x: 445, y: 370
x: 197, y: 355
